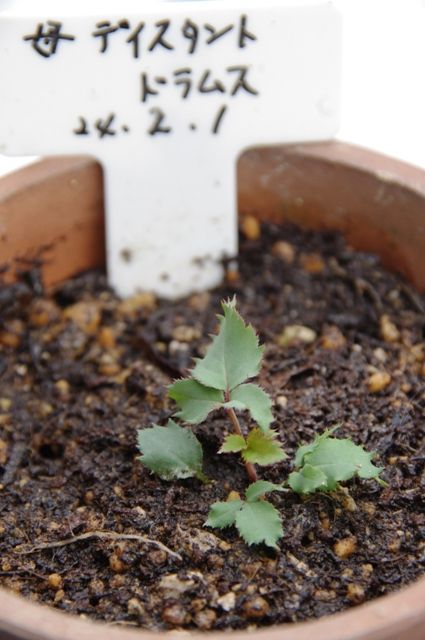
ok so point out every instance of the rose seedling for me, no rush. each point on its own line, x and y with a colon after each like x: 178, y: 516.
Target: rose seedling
x: 220, y: 381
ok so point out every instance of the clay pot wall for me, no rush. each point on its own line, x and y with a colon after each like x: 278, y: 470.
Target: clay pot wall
x: 54, y: 210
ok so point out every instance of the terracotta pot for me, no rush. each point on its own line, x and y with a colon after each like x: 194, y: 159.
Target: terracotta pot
x: 56, y: 207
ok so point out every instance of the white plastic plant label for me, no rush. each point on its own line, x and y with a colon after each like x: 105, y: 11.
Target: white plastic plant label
x: 166, y: 95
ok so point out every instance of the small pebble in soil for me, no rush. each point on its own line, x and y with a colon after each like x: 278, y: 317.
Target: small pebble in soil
x: 355, y: 592
x: 285, y: 251
x: 313, y: 263
x: 175, y: 615
x: 205, y: 619
x: 158, y: 557
x: 389, y: 331
x: 55, y: 581
x: 116, y: 564
x: 256, y: 607
x: 346, y: 547
x: 332, y: 338
x: 378, y: 381
x: 227, y: 601
x: 250, y: 227
x: 135, y: 607
x: 296, y: 334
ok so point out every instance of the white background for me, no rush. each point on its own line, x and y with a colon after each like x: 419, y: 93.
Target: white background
x: 383, y: 92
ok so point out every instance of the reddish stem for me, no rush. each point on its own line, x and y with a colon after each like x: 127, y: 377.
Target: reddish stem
x: 250, y: 469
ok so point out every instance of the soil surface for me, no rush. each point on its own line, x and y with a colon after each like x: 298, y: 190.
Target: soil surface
x: 82, y: 371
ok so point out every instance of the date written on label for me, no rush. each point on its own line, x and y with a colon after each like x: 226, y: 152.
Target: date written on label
x: 109, y: 127
x: 234, y: 80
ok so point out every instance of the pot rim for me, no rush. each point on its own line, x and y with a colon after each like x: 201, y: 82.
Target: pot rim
x: 379, y: 617
x: 382, y: 618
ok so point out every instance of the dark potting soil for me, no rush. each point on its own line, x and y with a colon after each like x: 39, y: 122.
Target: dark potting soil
x: 81, y: 371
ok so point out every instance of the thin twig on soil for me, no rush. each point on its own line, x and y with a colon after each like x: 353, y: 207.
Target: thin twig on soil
x: 100, y: 535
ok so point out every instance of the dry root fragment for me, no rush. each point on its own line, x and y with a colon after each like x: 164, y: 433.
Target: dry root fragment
x: 100, y: 535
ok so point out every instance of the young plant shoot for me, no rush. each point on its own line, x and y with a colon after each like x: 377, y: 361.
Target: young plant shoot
x: 220, y: 380
x: 325, y: 462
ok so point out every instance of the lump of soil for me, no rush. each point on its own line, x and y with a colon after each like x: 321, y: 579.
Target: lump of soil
x: 85, y: 528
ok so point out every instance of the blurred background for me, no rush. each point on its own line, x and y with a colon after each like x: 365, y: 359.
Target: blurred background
x: 383, y: 93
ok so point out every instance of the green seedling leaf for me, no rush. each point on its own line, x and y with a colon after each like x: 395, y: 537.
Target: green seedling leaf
x: 262, y: 448
x: 261, y: 488
x: 308, y: 448
x: 259, y: 522
x: 233, y: 444
x: 234, y: 355
x: 308, y: 480
x: 171, y: 451
x: 328, y: 461
x: 256, y: 401
x: 256, y: 520
x: 195, y: 400
x: 223, y: 514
